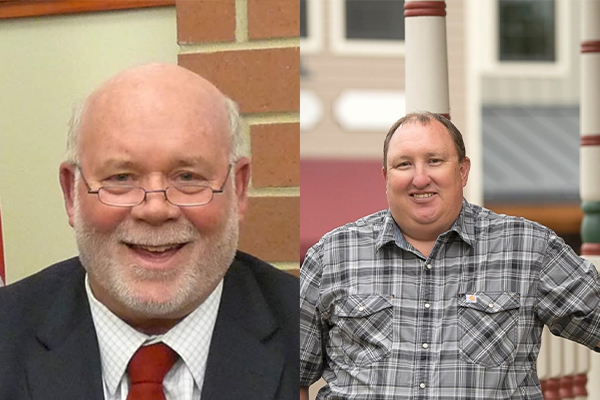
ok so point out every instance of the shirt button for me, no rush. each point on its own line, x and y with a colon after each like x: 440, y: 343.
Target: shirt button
x: 491, y: 305
x: 361, y: 308
x: 429, y: 266
x: 427, y: 305
x: 425, y: 345
x: 422, y: 386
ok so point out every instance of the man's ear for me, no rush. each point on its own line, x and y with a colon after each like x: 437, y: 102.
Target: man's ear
x: 67, y: 183
x: 242, y: 172
x: 465, y: 167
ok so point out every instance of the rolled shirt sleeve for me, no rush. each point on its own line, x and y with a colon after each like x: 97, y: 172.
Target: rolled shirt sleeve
x: 569, y: 294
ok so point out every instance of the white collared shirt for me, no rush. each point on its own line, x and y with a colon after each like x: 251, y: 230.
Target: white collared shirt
x: 190, y: 338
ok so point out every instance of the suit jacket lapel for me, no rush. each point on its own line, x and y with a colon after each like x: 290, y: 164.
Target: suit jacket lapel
x: 64, y: 360
x: 242, y: 363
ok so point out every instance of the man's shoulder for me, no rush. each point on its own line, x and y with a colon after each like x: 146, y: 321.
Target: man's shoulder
x: 259, y: 284
x: 368, y: 226
x: 43, y: 282
x: 25, y: 303
x: 487, y: 220
x: 263, y: 301
x: 270, y: 279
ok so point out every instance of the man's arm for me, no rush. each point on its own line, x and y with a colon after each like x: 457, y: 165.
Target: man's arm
x: 312, y: 330
x: 303, y: 393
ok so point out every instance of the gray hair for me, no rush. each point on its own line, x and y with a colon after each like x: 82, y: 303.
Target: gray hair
x: 239, y: 144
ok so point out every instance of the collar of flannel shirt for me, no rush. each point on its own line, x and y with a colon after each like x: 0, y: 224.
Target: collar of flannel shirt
x: 464, y: 226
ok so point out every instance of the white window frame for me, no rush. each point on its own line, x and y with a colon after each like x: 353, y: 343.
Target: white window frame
x: 356, y: 47
x: 313, y: 43
x: 369, y: 110
x: 492, y: 66
x: 311, y: 110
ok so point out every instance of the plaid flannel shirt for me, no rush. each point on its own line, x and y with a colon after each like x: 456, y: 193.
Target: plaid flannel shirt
x: 378, y: 320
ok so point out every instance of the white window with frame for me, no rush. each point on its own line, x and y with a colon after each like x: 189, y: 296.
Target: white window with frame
x: 367, y: 27
x: 311, y: 23
x: 527, y: 37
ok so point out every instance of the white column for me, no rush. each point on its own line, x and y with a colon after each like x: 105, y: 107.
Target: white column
x: 590, y: 153
x: 426, y: 57
x: 582, y: 367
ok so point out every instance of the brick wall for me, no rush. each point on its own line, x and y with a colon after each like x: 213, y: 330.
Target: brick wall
x: 250, y: 49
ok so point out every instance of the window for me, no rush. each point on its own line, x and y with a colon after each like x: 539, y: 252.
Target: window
x: 526, y: 30
x: 371, y: 27
x: 375, y: 19
x: 303, y: 27
x: 311, y: 21
x: 524, y: 38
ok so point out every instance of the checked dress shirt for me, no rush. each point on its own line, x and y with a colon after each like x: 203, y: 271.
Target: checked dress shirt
x: 378, y: 320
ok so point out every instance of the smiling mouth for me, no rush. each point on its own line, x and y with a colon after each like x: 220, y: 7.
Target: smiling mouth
x: 157, y: 250
x: 422, y: 195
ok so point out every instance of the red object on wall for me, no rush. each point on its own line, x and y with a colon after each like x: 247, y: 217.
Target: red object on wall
x: 335, y: 192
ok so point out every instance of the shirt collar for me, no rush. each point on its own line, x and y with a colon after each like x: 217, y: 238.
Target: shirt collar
x: 387, y: 233
x: 464, y: 226
x: 190, y: 338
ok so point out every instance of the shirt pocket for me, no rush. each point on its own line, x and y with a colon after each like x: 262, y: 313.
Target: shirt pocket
x: 361, y: 332
x: 488, y: 324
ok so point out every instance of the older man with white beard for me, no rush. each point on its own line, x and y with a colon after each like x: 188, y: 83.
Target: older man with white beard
x: 159, y: 304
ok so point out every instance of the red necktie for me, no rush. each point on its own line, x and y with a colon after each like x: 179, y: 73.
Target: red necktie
x: 147, y: 369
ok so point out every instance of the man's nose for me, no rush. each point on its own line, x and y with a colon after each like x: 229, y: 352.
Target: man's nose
x: 421, y: 178
x: 156, y: 209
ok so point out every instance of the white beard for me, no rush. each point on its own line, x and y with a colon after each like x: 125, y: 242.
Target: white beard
x: 211, y: 257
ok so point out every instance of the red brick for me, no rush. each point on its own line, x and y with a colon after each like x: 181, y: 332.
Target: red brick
x: 205, y: 21
x: 273, y: 18
x: 259, y: 80
x: 271, y: 229
x: 295, y: 272
x: 275, y: 155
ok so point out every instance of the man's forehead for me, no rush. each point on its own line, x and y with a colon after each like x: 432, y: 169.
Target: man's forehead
x: 163, y: 76
x: 143, y: 108
x: 174, y: 160
x: 429, y: 127
x: 160, y: 85
x: 416, y: 124
x: 414, y: 131
x: 129, y: 98
x: 155, y: 108
x: 427, y: 154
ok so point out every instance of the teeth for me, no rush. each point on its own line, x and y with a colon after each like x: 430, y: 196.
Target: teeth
x: 156, y: 249
x: 423, y: 195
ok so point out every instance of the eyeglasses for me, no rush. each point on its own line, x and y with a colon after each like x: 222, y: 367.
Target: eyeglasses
x: 180, y: 195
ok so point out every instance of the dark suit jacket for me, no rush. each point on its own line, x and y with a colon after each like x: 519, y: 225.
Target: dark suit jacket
x: 49, y: 349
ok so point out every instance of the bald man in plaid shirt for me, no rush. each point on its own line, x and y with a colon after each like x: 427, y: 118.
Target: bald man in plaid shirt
x: 437, y: 298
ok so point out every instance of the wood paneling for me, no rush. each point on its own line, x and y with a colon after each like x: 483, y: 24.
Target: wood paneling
x: 561, y: 218
x: 28, y: 8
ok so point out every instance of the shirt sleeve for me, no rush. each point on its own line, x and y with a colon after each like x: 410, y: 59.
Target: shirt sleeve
x: 569, y: 294
x: 311, y: 330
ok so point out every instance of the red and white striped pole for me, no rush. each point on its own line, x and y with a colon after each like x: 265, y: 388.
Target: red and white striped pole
x: 426, y: 57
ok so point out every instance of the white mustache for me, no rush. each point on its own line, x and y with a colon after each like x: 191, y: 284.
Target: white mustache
x: 179, y: 233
